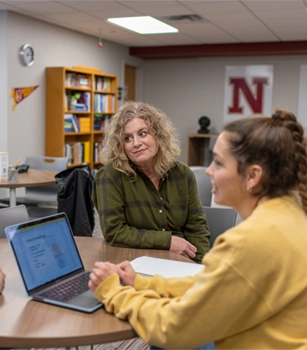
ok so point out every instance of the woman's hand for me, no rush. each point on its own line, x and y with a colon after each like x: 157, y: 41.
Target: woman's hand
x: 183, y: 247
x: 126, y: 273
x: 100, y: 272
x: 2, y: 280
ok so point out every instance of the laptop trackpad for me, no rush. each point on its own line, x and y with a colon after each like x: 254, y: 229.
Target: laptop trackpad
x: 86, y: 299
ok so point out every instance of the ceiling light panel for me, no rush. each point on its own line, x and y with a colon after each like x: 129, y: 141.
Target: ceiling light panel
x: 143, y: 25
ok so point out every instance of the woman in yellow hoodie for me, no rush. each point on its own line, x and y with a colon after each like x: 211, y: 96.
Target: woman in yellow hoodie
x: 252, y: 291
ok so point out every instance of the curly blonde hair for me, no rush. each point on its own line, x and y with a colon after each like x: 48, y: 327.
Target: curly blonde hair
x: 159, y: 126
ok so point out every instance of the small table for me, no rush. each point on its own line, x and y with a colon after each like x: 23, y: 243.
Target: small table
x: 31, y: 178
x: 30, y: 324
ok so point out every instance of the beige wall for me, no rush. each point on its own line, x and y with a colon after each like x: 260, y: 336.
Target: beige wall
x: 186, y: 89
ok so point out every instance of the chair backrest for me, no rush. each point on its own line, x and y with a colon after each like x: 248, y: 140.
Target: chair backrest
x: 47, y: 163
x: 238, y: 219
x: 45, y: 193
x: 204, y: 185
x: 219, y: 220
x: 213, y: 204
x: 11, y: 216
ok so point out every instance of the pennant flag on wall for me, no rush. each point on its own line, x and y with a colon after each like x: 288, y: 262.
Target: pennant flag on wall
x: 19, y: 94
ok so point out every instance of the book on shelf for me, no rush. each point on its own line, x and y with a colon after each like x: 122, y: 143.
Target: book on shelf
x: 79, y: 101
x: 71, y: 79
x: 87, y: 157
x: 86, y: 100
x: 103, y: 103
x: 71, y: 123
x: 103, y: 84
x: 101, y: 122
x: 85, y: 124
x: 97, y: 148
x: 75, y: 152
x: 83, y: 81
x: 68, y: 123
x: 75, y: 122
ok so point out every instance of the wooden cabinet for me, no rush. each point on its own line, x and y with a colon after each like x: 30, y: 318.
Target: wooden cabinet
x: 198, y: 148
x: 79, y: 103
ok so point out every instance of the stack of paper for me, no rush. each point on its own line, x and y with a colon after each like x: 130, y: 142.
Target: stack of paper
x: 146, y: 265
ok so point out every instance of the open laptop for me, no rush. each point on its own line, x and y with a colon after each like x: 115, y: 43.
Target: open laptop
x: 49, y: 261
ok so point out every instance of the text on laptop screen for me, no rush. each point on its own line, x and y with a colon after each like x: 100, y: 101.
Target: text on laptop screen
x: 45, y: 251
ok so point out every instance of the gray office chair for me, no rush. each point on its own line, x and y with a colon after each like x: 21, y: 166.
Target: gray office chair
x: 238, y: 220
x: 219, y: 220
x: 204, y: 185
x: 42, y: 194
x: 11, y: 216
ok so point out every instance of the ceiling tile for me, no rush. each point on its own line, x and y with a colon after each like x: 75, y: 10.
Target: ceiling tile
x: 41, y: 7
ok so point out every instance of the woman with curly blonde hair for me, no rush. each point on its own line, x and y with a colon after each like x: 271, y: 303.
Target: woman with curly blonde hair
x: 145, y: 198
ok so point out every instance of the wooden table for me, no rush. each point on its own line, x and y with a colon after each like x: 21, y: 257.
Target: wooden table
x: 26, y: 323
x: 32, y: 178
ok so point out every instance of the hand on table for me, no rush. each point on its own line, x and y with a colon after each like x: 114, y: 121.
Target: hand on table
x: 102, y: 270
x: 183, y: 247
x: 126, y: 273
x: 2, y: 280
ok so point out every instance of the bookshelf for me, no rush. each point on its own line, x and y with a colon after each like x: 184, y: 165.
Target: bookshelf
x: 198, y: 149
x: 79, y: 104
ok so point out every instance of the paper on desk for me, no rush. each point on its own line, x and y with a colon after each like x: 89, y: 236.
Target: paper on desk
x: 167, y: 268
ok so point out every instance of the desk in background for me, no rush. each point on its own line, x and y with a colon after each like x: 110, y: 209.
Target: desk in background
x: 27, y: 324
x: 33, y: 177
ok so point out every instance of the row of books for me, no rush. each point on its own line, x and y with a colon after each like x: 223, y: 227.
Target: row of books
x: 72, y: 123
x: 97, y: 148
x: 103, y: 84
x: 77, y: 152
x: 80, y: 80
x: 101, y: 122
x: 78, y: 101
x: 77, y: 80
x: 104, y: 103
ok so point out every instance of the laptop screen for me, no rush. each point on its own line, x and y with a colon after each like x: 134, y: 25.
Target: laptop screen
x: 44, y: 249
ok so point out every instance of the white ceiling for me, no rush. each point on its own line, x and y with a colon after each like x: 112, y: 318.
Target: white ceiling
x: 223, y: 22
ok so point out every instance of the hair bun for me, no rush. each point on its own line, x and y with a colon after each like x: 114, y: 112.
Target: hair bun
x: 276, y: 117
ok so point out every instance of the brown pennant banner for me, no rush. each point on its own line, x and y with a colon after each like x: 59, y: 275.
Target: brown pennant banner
x: 19, y: 94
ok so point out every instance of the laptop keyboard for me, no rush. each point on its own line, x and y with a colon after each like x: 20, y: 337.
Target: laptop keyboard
x: 69, y: 289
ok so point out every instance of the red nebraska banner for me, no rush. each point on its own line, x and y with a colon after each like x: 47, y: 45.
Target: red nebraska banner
x: 248, y: 91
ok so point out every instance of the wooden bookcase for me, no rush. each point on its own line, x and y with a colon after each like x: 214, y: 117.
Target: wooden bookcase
x: 198, y: 149
x: 85, y: 99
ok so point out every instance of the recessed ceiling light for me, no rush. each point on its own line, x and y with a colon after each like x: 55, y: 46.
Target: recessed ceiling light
x: 143, y: 25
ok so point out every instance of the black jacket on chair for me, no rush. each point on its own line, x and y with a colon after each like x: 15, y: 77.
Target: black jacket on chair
x: 74, y: 199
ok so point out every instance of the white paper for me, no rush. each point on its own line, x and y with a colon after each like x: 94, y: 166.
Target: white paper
x: 146, y: 265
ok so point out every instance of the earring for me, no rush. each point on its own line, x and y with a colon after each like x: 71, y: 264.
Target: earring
x: 249, y: 189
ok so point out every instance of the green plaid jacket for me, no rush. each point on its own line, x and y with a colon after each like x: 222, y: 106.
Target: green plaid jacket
x: 137, y: 215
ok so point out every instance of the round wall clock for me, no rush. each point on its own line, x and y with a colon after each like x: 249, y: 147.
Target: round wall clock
x: 26, y: 54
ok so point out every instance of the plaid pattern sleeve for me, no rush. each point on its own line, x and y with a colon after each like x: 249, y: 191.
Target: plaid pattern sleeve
x: 135, y: 214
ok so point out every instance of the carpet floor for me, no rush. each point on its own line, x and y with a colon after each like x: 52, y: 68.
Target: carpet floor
x: 128, y: 344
